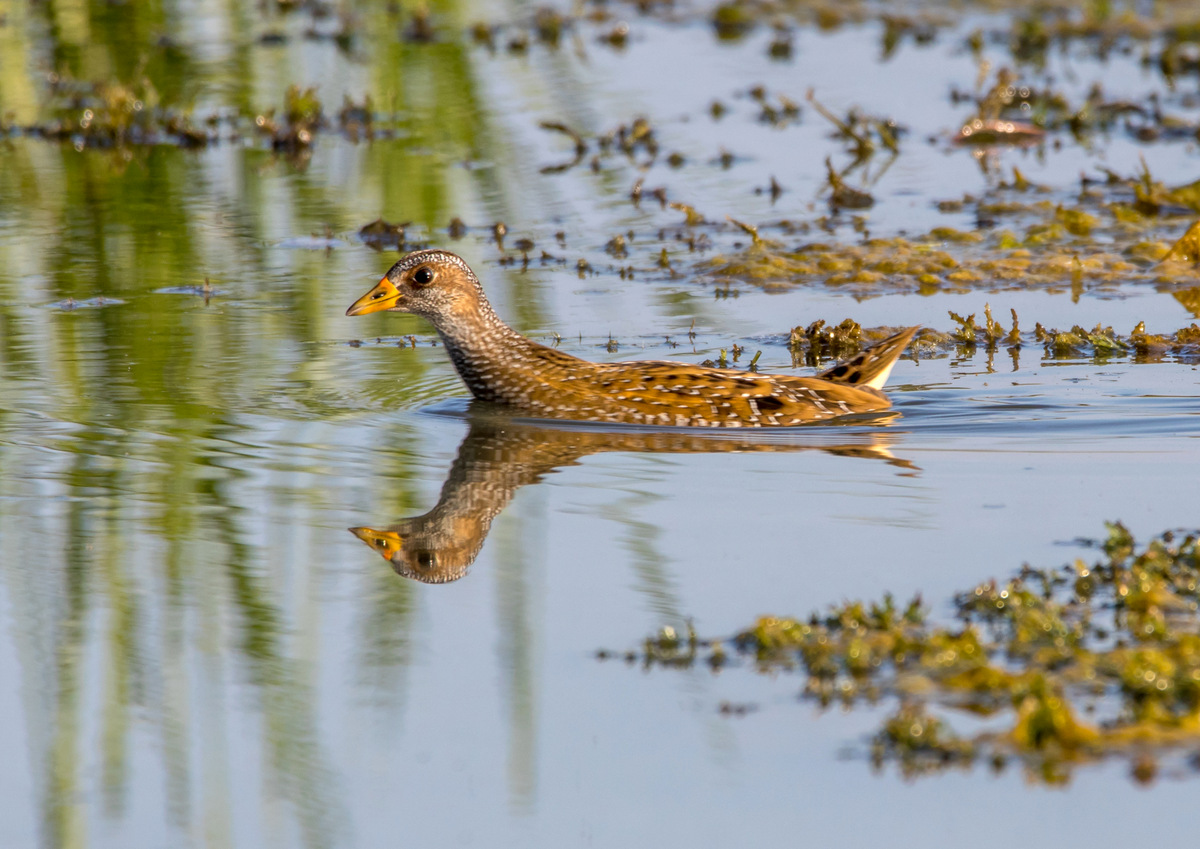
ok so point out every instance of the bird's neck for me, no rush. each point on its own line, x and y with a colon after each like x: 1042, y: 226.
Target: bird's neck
x: 489, y: 356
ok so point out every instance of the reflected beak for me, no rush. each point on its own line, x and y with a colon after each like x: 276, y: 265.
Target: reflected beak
x: 385, y: 296
x: 387, y: 543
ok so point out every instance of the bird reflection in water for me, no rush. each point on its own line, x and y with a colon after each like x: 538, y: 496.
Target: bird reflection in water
x: 500, y: 455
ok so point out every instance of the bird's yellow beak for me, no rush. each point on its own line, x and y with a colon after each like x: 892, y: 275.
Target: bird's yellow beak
x: 382, y: 297
x: 387, y: 543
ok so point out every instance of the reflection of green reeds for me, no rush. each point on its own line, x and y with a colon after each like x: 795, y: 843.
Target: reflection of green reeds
x: 62, y: 815
x: 518, y: 656
x: 199, y: 528
x: 653, y: 580
x: 126, y: 224
x: 121, y: 665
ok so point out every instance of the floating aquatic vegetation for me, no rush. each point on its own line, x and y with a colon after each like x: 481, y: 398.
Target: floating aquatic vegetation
x: 1190, y: 299
x: 303, y: 116
x: 991, y: 334
x: 733, y: 20
x: 819, y: 341
x: 814, y: 343
x: 113, y: 115
x: 864, y: 133
x: 420, y: 28
x: 1187, y: 249
x: 549, y: 24
x: 109, y: 114
x: 1057, y: 248
x: 979, y: 131
x: 780, y: 113
x: 205, y: 290
x: 357, y: 120
x: 380, y: 234
x: 634, y: 139
x: 1152, y: 198
x: 1069, y: 666
x: 580, y: 146
x: 692, y: 217
x: 842, y: 195
x: 313, y: 242
x: 781, y: 45
x: 1011, y: 112
x: 617, y: 36
x: 993, y: 122
x: 896, y: 28
x: 73, y: 304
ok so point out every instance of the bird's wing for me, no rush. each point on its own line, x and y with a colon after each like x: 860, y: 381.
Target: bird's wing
x: 668, y: 391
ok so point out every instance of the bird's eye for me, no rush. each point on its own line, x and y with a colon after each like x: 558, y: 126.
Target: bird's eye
x: 426, y: 559
x: 423, y: 276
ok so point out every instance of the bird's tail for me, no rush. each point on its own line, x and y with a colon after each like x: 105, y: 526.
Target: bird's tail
x: 871, y: 366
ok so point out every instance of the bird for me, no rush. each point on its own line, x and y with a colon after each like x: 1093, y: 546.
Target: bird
x: 500, y: 366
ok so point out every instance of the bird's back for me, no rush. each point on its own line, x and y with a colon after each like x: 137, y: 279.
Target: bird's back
x: 681, y: 394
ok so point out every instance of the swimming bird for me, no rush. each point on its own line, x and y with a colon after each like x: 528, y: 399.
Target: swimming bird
x: 503, y: 367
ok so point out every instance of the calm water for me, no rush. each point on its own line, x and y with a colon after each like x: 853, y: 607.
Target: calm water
x: 198, y: 652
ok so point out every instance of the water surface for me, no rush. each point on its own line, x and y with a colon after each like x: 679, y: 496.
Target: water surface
x: 197, y: 650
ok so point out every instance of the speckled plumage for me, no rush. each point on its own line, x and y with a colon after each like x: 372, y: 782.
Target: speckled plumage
x: 501, y: 366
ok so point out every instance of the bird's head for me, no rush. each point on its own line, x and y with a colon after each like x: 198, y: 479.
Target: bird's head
x: 434, y: 284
